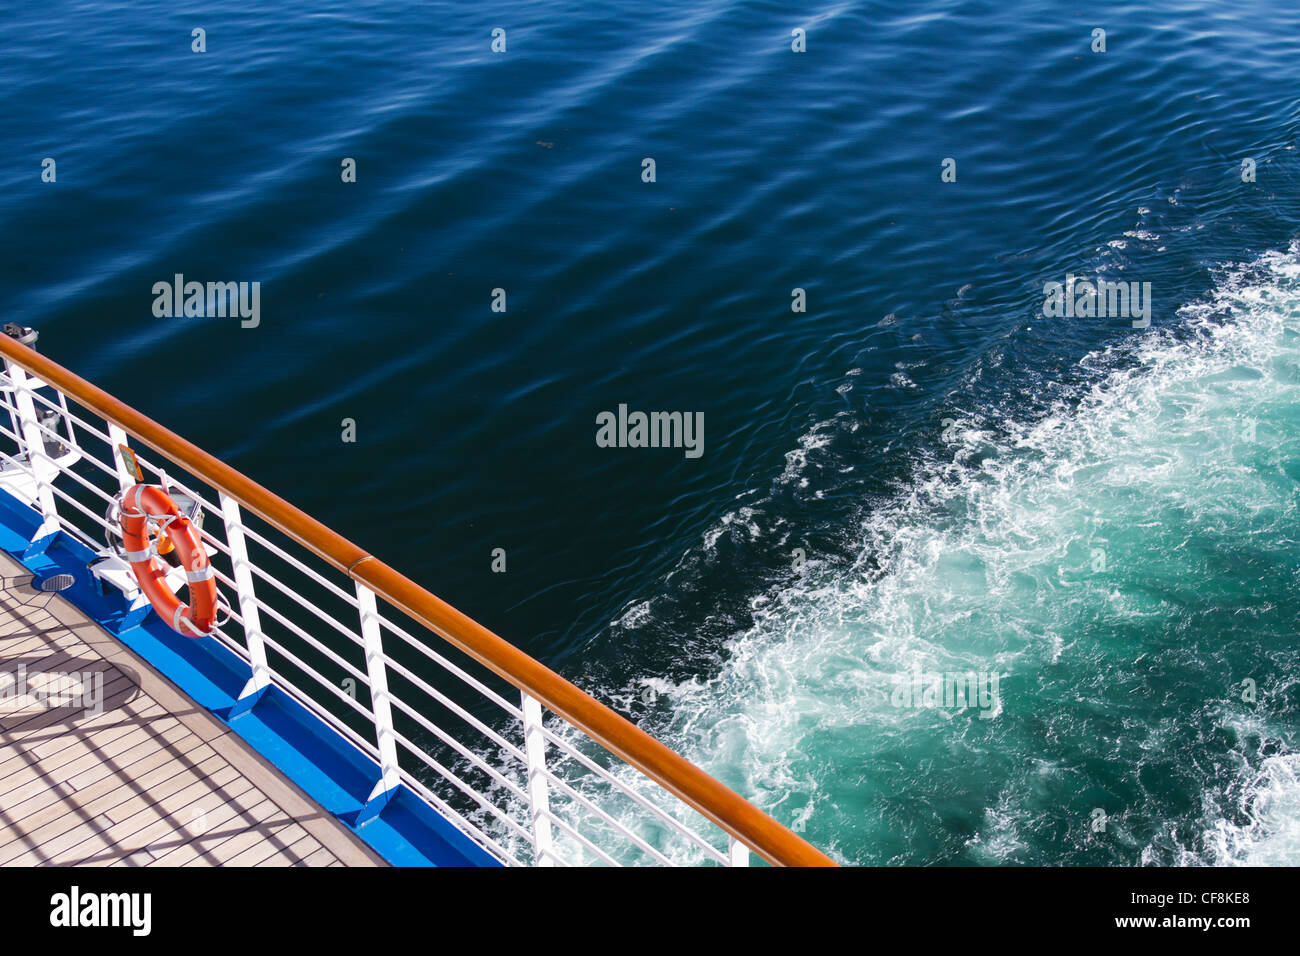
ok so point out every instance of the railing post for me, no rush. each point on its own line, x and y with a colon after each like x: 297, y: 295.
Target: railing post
x: 737, y: 852
x: 243, y: 572
x: 377, y: 675
x: 138, y: 604
x: 124, y: 477
x: 43, y: 469
x: 539, y: 801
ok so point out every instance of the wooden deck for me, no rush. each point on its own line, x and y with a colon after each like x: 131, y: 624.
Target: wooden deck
x: 152, y: 780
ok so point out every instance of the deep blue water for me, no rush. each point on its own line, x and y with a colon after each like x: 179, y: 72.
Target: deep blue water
x: 948, y: 459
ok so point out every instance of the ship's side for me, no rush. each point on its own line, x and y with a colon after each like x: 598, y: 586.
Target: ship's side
x: 340, y: 713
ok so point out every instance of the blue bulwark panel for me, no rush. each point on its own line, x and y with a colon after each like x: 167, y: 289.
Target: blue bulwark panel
x: 338, y: 776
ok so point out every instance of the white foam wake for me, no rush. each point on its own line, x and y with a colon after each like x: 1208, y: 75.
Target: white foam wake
x: 1097, y: 521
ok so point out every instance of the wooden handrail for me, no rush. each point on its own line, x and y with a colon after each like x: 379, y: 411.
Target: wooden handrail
x: 774, y: 842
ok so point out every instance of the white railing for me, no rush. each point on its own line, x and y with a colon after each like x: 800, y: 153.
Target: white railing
x: 526, y: 786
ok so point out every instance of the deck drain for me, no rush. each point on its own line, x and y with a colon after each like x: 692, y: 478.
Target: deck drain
x: 58, y: 582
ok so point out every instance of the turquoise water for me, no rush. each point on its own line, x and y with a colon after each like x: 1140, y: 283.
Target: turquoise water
x: 920, y: 472
x: 1123, y: 563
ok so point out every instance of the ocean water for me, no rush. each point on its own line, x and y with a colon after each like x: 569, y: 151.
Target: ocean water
x: 919, y: 474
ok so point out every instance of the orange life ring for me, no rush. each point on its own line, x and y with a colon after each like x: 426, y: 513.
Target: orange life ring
x: 141, y: 503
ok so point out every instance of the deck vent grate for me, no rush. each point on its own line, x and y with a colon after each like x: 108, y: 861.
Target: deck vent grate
x: 58, y: 582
